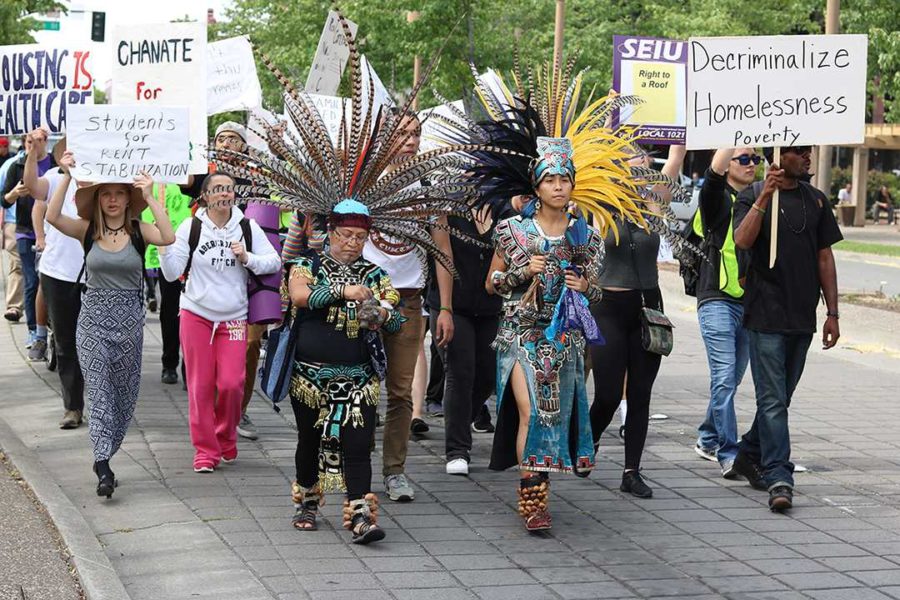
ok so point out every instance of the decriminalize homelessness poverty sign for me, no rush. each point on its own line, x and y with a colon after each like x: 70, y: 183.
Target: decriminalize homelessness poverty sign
x: 776, y: 91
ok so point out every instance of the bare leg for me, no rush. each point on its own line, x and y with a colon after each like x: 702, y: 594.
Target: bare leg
x: 523, y: 404
x: 420, y: 382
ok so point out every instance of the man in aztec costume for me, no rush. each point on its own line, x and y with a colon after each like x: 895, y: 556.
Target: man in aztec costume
x: 569, y: 165
x: 343, y: 301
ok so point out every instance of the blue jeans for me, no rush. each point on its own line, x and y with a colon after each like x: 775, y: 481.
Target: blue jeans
x: 29, y: 272
x: 777, y: 361
x: 727, y: 350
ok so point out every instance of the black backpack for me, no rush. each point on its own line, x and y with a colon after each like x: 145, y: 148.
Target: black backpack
x: 137, y: 240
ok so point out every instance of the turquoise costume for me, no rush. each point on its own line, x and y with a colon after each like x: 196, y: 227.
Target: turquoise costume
x: 553, y: 368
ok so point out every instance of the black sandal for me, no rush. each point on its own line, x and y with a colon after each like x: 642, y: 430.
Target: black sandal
x: 107, y: 483
x: 306, y: 501
x: 361, y: 518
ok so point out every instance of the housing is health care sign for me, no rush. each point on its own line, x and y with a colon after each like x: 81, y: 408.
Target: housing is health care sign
x: 799, y: 90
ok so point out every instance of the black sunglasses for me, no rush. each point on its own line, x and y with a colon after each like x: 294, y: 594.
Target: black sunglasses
x: 799, y: 150
x: 745, y: 159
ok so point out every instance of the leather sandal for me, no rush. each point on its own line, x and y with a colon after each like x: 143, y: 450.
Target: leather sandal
x: 306, y: 502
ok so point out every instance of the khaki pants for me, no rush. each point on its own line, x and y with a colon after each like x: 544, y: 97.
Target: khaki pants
x: 254, y: 343
x: 15, y: 297
x: 402, y: 349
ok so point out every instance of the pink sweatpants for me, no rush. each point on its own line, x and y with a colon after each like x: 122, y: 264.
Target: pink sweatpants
x: 214, y: 359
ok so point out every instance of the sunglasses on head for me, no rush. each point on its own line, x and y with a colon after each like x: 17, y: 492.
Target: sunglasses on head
x: 745, y: 159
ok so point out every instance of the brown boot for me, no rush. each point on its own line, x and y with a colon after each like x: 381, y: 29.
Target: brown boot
x: 534, y: 498
x: 71, y: 420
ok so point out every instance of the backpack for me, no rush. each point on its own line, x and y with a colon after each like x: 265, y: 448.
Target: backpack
x: 137, y: 240
x: 689, y: 263
x: 194, y: 241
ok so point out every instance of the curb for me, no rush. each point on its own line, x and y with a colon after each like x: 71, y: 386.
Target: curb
x: 98, y: 578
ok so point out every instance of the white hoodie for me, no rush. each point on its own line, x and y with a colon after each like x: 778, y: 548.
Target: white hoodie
x: 217, y: 284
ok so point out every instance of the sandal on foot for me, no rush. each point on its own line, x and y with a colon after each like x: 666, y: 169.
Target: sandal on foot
x: 307, y: 502
x: 534, y: 497
x: 361, y: 518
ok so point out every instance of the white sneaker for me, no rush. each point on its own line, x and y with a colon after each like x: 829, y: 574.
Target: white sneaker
x: 204, y: 469
x: 457, y: 466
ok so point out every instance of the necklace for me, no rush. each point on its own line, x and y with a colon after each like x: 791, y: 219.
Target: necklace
x: 788, y: 221
x: 115, y: 230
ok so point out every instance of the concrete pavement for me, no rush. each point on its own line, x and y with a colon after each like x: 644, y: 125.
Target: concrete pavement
x: 170, y: 533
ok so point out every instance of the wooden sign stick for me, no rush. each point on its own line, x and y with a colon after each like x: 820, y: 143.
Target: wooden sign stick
x: 773, y: 211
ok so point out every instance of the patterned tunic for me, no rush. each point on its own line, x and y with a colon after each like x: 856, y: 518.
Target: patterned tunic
x: 553, y: 369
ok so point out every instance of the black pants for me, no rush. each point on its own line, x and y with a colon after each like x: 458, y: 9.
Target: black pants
x: 618, y: 317
x: 170, y: 296
x: 436, y: 376
x: 470, y: 367
x: 63, y: 300
x: 355, y: 446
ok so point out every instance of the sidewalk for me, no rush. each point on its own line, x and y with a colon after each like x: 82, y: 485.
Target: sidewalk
x: 169, y: 533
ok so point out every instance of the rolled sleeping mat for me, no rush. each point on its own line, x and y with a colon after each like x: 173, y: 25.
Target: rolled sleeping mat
x: 264, y: 291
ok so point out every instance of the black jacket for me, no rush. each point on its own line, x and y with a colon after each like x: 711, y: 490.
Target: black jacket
x: 24, y: 204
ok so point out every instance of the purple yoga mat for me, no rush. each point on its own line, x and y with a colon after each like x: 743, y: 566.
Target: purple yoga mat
x: 265, y: 298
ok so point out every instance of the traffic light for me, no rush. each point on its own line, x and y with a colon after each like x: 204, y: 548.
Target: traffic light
x: 98, y: 26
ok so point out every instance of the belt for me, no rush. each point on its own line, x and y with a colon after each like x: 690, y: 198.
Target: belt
x: 409, y: 292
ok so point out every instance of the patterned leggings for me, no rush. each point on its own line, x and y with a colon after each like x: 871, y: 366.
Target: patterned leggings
x: 110, y: 339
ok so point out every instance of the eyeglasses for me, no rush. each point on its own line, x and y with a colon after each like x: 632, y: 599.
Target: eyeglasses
x: 358, y: 238
x: 745, y: 159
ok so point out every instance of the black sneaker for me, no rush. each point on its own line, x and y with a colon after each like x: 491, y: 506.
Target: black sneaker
x: 633, y: 483
x: 169, y: 376
x: 152, y: 305
x: 781, y: 498
x: 750, y: 470
x: 482, y: 423
x: 418, y: 426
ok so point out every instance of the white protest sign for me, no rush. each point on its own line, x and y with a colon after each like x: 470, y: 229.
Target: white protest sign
x: 432, y: 128
x: 330, y: 108
x: 257, y: 118
x: 39, y: 84
x: 231, y: 79
x: 331, y: 57
x: 382, y: 96
x: 776, y: 91
x: 164, y: 64
x: 114, y: 144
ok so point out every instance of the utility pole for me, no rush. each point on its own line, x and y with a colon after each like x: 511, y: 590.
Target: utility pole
x: 823, y: 166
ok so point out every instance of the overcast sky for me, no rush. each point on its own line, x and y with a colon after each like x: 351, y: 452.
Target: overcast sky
x: 76, y: 26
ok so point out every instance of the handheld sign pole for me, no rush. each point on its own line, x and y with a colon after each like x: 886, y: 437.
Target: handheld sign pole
x: 773, y: 210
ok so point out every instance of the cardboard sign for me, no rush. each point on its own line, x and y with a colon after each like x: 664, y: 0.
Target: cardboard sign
x: 331, y: 57
x: 653, y: 69
x: 113, y: 144
x: 776, y: 91
x: 231, y: 79
x: 164, y: 65
x: 38, y: 85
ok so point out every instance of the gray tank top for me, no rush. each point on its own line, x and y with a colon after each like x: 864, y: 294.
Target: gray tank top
x: 624, y: 271
x: 122, y: 270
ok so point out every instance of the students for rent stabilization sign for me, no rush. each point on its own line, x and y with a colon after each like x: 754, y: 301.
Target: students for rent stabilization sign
x: 114, y: 144
x: 38, y: 85
x: 164, y: 65
x: 776, y: 91
x: 653, y: 69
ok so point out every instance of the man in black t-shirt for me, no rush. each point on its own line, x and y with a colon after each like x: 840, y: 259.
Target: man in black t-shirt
x: 780, y: 309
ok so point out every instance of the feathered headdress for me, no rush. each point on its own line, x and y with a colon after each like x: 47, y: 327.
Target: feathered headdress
x: 549, y: 105
x: 308, y: 172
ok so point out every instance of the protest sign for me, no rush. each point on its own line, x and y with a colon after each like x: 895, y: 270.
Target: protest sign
x: 331, y: 57
x: 382, y: 96
x: 38, y: 85
x: 433, y: 126
x: 164, y: 65
x: 231, y: 79
x: 114, y: 144
x: 256, y: 120
x: 776, y: 91
x: 653, y: 69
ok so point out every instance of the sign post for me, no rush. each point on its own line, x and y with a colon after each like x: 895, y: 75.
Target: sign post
x: 776, y: 91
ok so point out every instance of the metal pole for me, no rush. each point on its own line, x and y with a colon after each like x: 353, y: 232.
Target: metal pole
x: 557, y: 53
x: 411, y: 17
x: 823, y: 165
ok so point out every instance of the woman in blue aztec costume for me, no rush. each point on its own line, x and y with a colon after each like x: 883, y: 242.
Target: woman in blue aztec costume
x: 568, y: 165
x: 342, y: 300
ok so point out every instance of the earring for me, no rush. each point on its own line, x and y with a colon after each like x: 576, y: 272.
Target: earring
x: 537, y: 204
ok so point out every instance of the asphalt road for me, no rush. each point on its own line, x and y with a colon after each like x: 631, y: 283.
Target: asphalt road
x: 868, y: 272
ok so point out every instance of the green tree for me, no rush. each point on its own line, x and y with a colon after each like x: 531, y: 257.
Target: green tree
x: 15, y: 24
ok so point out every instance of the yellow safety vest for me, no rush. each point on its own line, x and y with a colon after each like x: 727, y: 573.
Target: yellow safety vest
x: 728, y: 265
